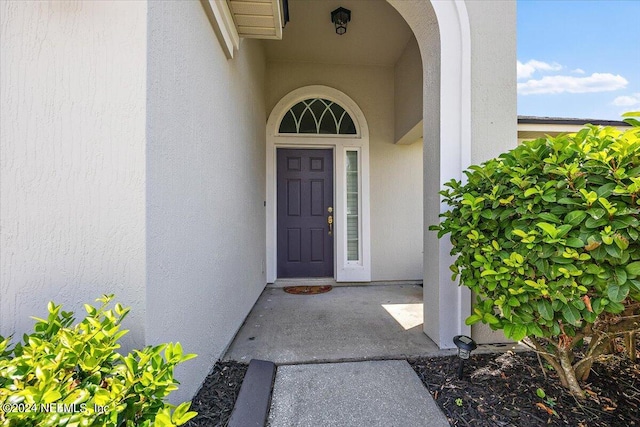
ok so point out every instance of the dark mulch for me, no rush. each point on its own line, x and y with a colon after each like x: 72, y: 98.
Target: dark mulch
x: 215, y: 399
x: 500, y: 390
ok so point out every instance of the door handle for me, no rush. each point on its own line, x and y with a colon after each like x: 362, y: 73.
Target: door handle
x: 330, y: 220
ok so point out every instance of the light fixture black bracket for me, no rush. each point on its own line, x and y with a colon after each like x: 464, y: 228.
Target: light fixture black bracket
x: 340, y: 17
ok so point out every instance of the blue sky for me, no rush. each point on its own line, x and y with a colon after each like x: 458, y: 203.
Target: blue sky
x: 578, y: 58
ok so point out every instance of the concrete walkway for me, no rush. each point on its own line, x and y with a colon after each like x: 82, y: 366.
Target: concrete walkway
x: 372, y: 393
x: 357, y: 329
x: 345, y: 324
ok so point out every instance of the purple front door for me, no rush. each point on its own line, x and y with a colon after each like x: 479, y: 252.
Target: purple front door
x: 305, y: 202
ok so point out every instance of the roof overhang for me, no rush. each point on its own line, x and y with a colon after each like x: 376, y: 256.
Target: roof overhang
x: 530, y: 127
x: 235, y: 19
x: 257, y: 19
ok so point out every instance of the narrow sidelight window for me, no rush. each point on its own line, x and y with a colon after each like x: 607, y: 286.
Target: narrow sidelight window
x: 353, y: 221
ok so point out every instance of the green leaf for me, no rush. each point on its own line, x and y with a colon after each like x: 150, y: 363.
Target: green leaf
x: 593, y: 223
x: 163, y: 420
x: 488, y: 273
x: 613, y: 251
x: 622, y: 243
x: 576, y: 217
x: 101, y: 397
x: 571, y: 314
x: 531, y: 191
x: 621, y: 275
x: 181, y: 415
x: 545, y: 309
x: 490, y: 319
x: 614, y: 307
x: 548, y: 228
x: 563, y: 230
x: 473, y: 319
x: 51, y: 396
x: 617, y: 293
x: 541, y: 394
x: 549, y: 217
x: 574, y: 242
x: 519, y: 332
x: 596, y: 213
x: 633, y: 268
x: 569, y: 201
x: 519, y: 233
x: 535, y: 330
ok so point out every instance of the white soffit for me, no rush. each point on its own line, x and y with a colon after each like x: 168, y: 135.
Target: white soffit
x: 413, y: 135
x: 257, y: 19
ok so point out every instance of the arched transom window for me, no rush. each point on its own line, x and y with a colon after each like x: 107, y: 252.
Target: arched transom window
x: 317, y: 116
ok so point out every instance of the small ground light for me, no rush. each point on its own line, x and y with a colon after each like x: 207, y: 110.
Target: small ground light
x: 465, y: 346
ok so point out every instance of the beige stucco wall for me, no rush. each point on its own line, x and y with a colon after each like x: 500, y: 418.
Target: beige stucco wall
x: 493, y: 96
x: 72, y: 169
x: 395, y: 171
x: 206, y: 168
x: 408, y: 90
x: 493, y: 78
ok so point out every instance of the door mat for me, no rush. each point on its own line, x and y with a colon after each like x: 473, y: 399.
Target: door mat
x: 307, y: 290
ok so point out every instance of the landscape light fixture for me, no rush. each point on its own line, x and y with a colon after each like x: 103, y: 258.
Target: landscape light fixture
x: 465, y: 346
x: 340, y: 17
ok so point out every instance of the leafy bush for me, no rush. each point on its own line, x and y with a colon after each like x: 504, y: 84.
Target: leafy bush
x: 71, y: 375
x: 548, y: 237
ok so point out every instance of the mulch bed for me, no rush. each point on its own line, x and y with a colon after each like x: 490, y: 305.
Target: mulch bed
x: 497, y: 390
x: 501, y: 390
x: 215, y: 399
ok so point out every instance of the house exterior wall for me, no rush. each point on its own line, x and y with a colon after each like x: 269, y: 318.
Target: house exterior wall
x: 205, y: 194
x: 133, y: 162
x: 395, y: 171
x: 72, y: 169
x: 408, y: 91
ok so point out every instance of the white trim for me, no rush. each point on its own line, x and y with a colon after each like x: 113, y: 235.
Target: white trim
x: 455, y: 155
x: 344, y: 272
x: 279, y: 18
x: 345, y: 243
x: 225, y: 28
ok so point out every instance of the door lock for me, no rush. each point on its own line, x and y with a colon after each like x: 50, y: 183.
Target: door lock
x: 330, y: 220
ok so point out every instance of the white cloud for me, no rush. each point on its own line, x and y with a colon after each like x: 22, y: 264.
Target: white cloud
x: 578, y: 71
x: 527, y: 69
x: 596, y: 82
x: 627, y: 101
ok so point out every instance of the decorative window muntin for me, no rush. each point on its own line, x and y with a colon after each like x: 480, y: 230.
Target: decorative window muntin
x: 317, y: 116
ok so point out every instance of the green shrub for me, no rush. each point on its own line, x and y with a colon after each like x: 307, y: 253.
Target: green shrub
x: 71, y: 375
x: 547, y: 235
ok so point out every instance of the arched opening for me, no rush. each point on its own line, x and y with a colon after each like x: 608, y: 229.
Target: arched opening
x: 361, y: 66
x: 447, y: 132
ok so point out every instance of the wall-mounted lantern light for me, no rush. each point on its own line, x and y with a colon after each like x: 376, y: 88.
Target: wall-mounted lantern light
x: 340, y: 17
x: 465, y: 346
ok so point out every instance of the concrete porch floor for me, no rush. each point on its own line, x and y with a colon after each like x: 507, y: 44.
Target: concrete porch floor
x: 345, y: 324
